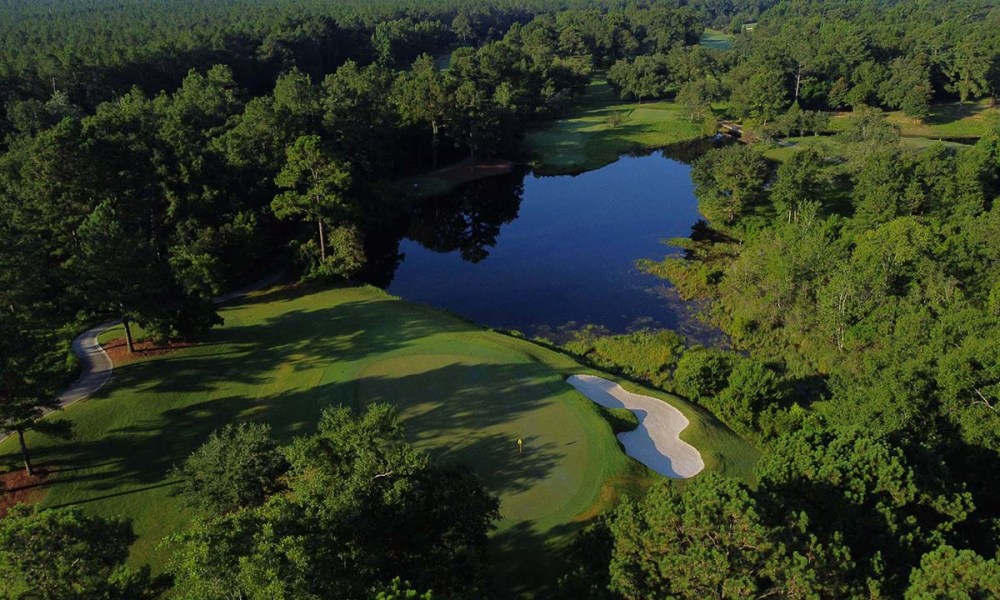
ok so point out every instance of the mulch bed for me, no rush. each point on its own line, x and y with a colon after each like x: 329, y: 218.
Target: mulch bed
x: 118, y: 350
x: 17, y: 487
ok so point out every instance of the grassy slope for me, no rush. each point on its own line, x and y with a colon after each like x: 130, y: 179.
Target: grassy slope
x: 582, y: 141
x: 464, y: 393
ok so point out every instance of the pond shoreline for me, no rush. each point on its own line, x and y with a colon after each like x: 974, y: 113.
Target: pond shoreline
x: 546, y: 255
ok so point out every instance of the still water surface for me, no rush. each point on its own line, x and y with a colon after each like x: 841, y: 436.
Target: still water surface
x: 545, y: 254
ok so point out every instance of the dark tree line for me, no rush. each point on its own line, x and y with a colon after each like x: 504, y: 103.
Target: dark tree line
x: 837, y: 55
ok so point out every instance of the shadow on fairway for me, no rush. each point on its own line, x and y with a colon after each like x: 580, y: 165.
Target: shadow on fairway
x: 524, y: 563
x: 349, y: 331
x: 140, y: 456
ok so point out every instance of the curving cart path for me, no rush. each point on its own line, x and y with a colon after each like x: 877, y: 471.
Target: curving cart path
x: 95, y: 364
x: 656, y: 443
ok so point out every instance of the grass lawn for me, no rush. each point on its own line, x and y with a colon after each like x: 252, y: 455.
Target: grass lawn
x: 583, y: 141
x: 947, y: 120
x: 830, y: 146
x: 717, y: 40
x: 464, y: 393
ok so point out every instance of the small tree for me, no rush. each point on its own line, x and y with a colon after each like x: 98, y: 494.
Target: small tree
x: 750, y: 389
x: 237, y: 467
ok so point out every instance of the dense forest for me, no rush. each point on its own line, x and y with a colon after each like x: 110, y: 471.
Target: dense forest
x: 154, y: 155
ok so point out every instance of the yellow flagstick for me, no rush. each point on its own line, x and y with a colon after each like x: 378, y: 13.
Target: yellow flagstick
x: 520, y: 445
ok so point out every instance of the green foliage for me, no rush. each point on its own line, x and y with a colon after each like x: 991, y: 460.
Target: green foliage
x: 238, y: 466
x: 316, y: 185
x: 869, y: 130
x: 949, y: 574
x: 708, y: 541
x: 400, y: 590
x: 696, y: 98
x: 798, y: 181
x: 644, y: 77
x: 909, y: 87
x: 64, y: 554
x: 647, y: 355
x: 751, y: 388
x: 729, y: 181
x: 703, y: 372
x: 362, y: 506
x: 863, y: 492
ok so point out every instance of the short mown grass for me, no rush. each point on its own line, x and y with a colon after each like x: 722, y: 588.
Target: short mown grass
x: 585, y: 139
x: 465, y: 394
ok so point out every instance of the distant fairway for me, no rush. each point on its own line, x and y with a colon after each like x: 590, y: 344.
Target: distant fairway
x: 465, y: 394
x: 717, y: 40
x: 948, y: 120
x: 583, y: 140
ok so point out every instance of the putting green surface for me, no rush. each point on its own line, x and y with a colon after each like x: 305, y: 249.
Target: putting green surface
x: 584, y: 140
x: 465, y: 394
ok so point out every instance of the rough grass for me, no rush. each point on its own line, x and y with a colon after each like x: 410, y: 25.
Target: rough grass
x: 584, y: 140
x: 464, y: 393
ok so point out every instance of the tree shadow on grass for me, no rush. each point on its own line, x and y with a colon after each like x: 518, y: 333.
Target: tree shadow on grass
x: 949, y: 113
x: 295, y: 339
x: 525, y: 562
x: 497, y: 461
x: 139, y: 456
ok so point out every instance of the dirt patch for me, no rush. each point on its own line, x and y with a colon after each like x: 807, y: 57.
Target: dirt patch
x: 118, y: 351
x: 17, y: 487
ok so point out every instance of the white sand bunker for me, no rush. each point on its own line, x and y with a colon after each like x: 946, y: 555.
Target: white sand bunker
x: 656, y: 443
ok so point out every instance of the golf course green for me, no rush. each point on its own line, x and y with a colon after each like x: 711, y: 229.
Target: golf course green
x: 465, y: 394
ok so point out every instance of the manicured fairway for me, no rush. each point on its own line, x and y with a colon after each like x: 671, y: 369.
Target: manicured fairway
x: 465, y: 394
x: 717, y: 40
x: 584, y: 141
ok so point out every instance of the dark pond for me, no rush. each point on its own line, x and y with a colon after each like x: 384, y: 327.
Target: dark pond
x: 544, y: 255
